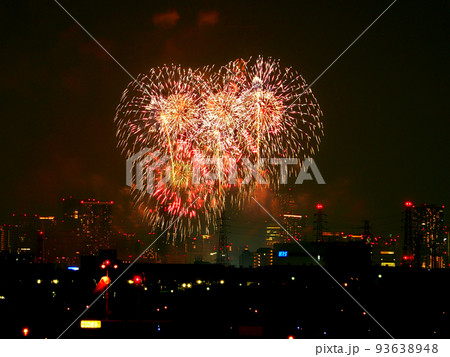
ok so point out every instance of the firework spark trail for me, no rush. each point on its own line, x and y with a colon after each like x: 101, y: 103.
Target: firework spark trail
x: 207, y: 122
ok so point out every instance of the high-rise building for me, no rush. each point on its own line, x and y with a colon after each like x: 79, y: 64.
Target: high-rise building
x: 23, y: 236
x: 273, y: 235
x: 89, y: 222
x: 425, y: 237
x: 223, y: 248
x: 263, y: 257
x: 4, y: 239
x: 208, y: 254
x: 46, y: 235
x: 246, y: 258
x: 431, y: 236
x: 125, y: 244
x: 96, y: 222
x: 319, y: 223
x: 287, y: 203
x: 199, y: 249
x: 294, y: 224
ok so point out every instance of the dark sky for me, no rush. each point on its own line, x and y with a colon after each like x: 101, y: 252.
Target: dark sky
x: 385, y: 102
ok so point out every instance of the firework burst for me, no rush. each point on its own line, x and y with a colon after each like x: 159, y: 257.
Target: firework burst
x: 208, y: 125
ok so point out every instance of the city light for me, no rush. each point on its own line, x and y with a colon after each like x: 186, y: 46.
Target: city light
x: 90, y: 324
x: 210, y: 170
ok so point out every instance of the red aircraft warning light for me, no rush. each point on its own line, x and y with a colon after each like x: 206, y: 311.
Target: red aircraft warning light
x: 137, y: 279
x: 408, y: 204
x: 319, y: 206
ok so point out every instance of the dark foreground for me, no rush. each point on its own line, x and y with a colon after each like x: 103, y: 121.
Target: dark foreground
x: 213, y: 301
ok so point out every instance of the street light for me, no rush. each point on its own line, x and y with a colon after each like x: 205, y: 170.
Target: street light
x: 105, y: 265
x: 138, y: 283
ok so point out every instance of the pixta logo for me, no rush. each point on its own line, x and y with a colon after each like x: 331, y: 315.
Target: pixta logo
x: 147, y: 169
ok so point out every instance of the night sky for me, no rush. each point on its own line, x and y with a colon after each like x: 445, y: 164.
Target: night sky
x: 385, y: 101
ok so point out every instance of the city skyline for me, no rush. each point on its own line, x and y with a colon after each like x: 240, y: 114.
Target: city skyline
x: 86, y: 228
x: 149, y: 159
x: 370, y: 153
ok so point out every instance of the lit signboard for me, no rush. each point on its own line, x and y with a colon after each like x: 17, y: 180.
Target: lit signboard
x: 282, y: 253
x: 388, y: 264
x: 91, y: 324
